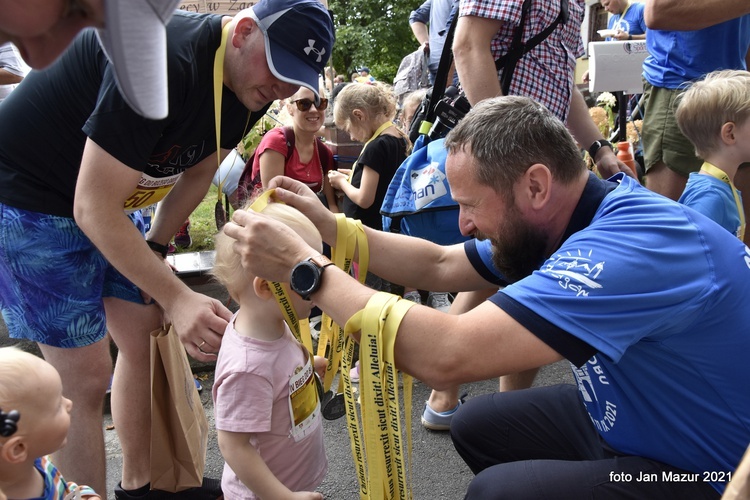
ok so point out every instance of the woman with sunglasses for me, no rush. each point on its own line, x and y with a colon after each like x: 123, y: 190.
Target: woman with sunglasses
x: 308, y: 162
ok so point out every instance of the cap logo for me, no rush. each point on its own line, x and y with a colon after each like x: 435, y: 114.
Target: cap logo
x: 311, y: 48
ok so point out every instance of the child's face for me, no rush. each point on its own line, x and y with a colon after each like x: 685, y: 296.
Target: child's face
x: 50, y: 412
x: 356, y: 130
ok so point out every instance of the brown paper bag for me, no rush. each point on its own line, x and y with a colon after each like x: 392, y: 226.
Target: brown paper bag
x: 179, y: 429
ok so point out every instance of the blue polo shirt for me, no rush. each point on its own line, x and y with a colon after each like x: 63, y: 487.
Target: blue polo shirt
x: 648, y: 300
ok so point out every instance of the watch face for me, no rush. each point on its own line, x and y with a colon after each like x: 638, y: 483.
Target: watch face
x: 304, y: 278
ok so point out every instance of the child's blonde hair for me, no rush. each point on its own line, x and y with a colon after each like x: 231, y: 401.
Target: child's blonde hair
x: 16, y: 368
x: 228, y: 268
x: 411, y: 102
x: 723, y: 96
x: 376, y: 98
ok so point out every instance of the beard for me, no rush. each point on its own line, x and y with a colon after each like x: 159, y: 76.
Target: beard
x: 519, y: 248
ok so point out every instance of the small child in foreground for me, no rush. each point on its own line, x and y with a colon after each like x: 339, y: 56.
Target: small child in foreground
x: 714, y: 113
x: 266, y: 402
x: 31, y: 386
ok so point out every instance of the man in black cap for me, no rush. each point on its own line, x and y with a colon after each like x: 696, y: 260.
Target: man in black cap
x: 75, y: 266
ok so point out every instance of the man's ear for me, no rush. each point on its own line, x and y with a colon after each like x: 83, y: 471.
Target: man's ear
x: 242, y: 30
x: 14, y: 451
x: 536, y: 185
x: 262, y: 288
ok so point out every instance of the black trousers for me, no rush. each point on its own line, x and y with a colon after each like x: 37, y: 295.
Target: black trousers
x: 540, y: 443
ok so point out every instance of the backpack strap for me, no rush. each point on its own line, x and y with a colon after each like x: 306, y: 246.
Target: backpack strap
x: 290, y: 139
x: 518, y: 49
x: 325, y: 155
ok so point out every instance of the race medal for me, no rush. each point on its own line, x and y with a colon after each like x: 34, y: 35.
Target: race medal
x: 333, y: 407
x: 220, y: 215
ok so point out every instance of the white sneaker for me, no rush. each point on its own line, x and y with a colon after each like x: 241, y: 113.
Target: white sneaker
x: 413, y: 296
x: 439, y: 301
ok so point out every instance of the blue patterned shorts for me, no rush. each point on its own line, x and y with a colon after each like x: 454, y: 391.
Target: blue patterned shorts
x: 53, y: 279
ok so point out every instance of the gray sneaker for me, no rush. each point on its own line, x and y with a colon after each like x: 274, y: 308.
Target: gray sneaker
x: 413, y: 296
x: 440, y: 301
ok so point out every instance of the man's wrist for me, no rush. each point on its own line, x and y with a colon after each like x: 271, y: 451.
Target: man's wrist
x: 158, y: 248
x: 597, y: 146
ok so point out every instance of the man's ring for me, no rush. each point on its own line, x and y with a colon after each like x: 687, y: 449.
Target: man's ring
x: 201, y: 344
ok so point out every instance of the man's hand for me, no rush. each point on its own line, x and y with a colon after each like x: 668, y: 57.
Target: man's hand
x: 608, y: 165
x: 267, y: 248
x: 200, y: 322
x: 301, y: 197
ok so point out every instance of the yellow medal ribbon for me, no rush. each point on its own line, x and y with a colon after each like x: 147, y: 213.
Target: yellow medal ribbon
x: 379, y: 131
x: 386, y: 459
x: 722, y: 176
x: 377, y: 443
x: 218, y: 84
x: 300, y: 327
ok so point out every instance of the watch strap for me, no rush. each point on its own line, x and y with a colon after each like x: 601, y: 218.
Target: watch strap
x: 158, y: 248
x: 321, y: 261
x: 594, y: 149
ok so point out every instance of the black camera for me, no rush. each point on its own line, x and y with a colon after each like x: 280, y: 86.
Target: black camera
x: 448, y: 111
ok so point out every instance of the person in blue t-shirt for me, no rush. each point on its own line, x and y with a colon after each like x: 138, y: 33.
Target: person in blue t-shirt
x: 676, y: 58
x: 714, y: 113
x: 626, y: 19
x: 644, y: 296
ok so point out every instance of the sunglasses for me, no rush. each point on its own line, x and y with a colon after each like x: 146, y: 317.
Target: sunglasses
x: 306, y: 104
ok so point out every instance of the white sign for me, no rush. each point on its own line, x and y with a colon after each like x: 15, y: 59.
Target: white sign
x: 617, y: 66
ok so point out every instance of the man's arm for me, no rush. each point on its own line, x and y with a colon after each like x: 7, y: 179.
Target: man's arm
x: 474, y: 61
x: 692, y: 14
x: 418, y: 20
x: 8, y: 78
x: 441, y: 349
x: 187, y: 193
x: 585, y: 132
x: 104, y: 183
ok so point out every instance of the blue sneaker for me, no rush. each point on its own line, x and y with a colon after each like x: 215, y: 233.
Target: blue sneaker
x: 439, y: 421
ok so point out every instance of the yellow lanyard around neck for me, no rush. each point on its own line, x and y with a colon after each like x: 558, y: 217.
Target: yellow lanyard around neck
x: 722, y: 176
x: 622, y: 16
x: 218, y: 94
x: 379, y: 131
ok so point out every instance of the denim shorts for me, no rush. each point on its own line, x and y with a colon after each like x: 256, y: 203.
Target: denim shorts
x: 53, y: 279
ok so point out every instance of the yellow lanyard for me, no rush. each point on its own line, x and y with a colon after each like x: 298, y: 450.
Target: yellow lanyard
x: 722, y: 176
x: 377, y: 133
x: 218, y: 84
x: 622, y: 16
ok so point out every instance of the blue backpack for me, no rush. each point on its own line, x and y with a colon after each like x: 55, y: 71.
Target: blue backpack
x: 418, y: 201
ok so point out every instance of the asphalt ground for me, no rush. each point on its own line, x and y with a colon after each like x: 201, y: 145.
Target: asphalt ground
x: 438, y: 471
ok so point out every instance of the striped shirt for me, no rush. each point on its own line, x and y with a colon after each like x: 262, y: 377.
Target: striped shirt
x: 55, y: 486
x: 547, y: 73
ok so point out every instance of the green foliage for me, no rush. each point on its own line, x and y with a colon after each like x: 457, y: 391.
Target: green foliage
x: 372, y: 33
x: 203, y: 224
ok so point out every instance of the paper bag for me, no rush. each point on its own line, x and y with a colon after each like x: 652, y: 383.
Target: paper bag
x: 179, y: 429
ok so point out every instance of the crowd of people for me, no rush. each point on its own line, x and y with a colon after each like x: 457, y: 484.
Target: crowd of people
x: 640, y: 286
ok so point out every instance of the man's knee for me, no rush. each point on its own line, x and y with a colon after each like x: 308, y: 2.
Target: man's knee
x: 85, y: 371
x: 500, y: 482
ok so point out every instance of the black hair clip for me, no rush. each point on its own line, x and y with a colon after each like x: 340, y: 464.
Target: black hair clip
x: 9, y: 422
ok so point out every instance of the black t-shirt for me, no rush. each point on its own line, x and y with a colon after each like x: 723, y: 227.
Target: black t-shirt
x: 384, y: 155
x: 44, y: 123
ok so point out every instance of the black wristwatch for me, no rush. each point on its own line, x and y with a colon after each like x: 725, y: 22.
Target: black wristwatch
x: 599, y: 145
x: 306, y: 276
